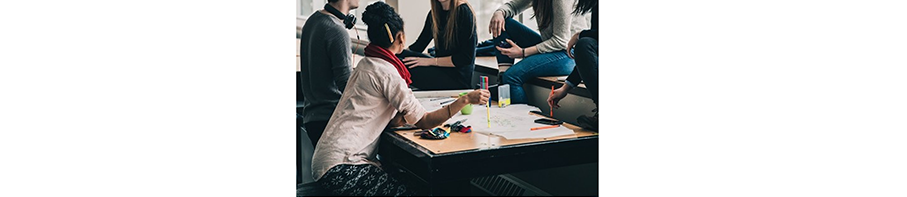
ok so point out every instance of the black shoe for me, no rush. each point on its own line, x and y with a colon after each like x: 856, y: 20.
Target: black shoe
x: 588, y: 123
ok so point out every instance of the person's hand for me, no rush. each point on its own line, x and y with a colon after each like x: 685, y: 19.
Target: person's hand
x: 558, y: 94
x: 412, y: 62
x: 479, y: 96
x: 571, y: 43
x: 497, y: 24
x: 513, y: 52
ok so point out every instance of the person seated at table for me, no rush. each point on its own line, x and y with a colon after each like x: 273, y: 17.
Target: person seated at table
x: 376, y: 95
x: 543, y: 55
x: 452, y: 25
x: 585, y: 52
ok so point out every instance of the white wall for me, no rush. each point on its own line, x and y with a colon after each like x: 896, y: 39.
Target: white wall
x: 413, y: 13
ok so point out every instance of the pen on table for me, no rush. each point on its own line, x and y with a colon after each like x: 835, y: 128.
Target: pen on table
x: 446, y: 102
x: 458, y: 122
x: 545, y: 127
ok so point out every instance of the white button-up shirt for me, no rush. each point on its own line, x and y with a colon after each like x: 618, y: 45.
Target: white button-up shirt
x: 374, y: 93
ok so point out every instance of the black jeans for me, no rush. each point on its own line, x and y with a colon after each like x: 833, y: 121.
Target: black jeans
x: 586, y: 56
x: 434, y: 77
x: 520, y: 35
x: 314, y: 130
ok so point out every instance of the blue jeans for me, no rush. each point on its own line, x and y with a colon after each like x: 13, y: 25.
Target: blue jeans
x: 520, y: 35
x: 546, y: 64
x: 555, y: 63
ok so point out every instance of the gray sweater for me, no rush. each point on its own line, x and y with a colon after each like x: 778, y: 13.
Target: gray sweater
x: 563, y: 23
x: 324, y: 57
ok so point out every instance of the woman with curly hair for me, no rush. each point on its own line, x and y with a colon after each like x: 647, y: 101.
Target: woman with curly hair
x: 376, y: 96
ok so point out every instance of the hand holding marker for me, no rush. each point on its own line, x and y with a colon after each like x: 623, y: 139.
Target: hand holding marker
x: 488, y: 104
x: 551, y: 108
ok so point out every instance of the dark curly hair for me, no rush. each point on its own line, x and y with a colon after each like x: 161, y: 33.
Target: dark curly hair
x: 375, y: 16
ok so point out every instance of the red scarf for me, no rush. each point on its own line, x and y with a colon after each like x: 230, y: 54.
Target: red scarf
x: 375, y: 51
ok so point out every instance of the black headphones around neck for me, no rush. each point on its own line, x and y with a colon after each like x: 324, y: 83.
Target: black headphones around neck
x: 348, y: 20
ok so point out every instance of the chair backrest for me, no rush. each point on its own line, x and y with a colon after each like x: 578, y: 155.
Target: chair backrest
x: 299, y: 96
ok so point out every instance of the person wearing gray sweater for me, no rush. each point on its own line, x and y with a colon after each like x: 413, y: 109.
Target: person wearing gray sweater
x: 325, y: 64
x: 543, y: 54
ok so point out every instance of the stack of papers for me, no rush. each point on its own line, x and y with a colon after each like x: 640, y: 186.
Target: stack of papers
x: 434, y: 103
x: 511, y: 122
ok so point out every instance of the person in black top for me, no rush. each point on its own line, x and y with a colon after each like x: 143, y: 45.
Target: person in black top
x: 451, y: 24
x: 585, y: 53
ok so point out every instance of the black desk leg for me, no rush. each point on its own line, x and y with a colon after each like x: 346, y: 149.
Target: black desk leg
x: 451, y: 188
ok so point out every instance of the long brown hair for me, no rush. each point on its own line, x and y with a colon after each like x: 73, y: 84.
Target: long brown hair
x: 449, y: 38
x: 543, y: 10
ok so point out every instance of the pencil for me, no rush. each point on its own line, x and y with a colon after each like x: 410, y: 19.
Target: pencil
x: 545, y: 127
x: 551, y: 108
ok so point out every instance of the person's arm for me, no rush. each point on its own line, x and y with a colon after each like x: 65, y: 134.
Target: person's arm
x: 412, y: 62
x: 397, y: 121
x: 560, y: 23
x: 465, y: 53
x: 516, y: 52
x: 515, y: 7
x: 437, y: 117
x: 508, y: 10
x: 409, y: 110
x: 341, y: 64
x: 424, y: 37
x: 413, y: 112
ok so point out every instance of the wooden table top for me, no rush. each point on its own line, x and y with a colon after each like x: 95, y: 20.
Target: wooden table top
x: 470, y: 141
x: 554, y: 79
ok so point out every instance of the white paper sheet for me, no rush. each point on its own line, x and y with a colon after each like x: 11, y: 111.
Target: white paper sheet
x: 511, y: 122
x: 434, y: 103
x: 544, y: 133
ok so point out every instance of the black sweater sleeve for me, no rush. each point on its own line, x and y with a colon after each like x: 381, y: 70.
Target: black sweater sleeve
x: 424, y: 37
x: 465, y: 53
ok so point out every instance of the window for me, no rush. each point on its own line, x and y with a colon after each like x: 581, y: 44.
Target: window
x: 414, y: 11
x: 304, y: 8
